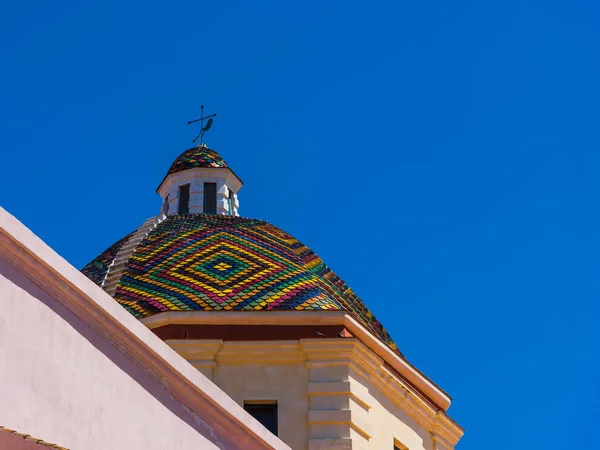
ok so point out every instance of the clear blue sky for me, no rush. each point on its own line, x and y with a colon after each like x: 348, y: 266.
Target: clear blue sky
x: 442, y: 157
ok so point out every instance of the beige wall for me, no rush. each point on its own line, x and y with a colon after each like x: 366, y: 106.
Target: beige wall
x: 284, y: 383
x: 249, y: 371
x: 77, y: 370
x: 332, y: 393
x: 387, y: 420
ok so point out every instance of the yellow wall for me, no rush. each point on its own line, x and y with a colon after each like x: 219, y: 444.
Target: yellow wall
x: 388, y: 421
x: 331, y: 393
x: 284, y: 383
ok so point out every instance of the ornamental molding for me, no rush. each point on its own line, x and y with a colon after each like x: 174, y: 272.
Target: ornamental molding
x: 244, y: 318
x: 437, y: 397
x: 208, y: 174
x: 321, y: 353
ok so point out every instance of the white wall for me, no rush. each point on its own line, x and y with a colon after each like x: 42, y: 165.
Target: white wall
x: 224, y: 178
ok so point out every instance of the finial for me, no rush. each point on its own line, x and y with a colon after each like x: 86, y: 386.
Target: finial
x: 203, y: 128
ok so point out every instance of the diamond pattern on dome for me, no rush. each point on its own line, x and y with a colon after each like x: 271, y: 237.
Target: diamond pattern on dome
x: 200, y: 262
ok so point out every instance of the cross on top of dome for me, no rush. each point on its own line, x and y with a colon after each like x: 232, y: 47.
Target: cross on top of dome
x: 203, y: 128
x: 200, y: 181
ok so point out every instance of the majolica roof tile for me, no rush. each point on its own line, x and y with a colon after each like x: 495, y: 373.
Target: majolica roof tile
x: 201, y: 262
x: 96, y: 269
x: 196, y: 157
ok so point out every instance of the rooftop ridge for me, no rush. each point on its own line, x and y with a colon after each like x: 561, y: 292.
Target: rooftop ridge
x: 115, y: 270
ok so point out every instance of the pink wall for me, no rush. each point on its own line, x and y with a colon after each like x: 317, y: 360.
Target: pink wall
x: 63, y: 381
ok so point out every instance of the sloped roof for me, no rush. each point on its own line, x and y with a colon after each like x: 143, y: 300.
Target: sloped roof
x: 23, y: 441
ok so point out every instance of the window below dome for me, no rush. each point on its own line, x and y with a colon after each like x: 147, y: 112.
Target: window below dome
x: 230, y: 202
x: 184, y: 199
x: 399, y: 446
x: 210, y: 198
x: 265, y: 412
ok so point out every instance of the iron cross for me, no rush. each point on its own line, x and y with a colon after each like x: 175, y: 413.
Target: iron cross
x: 203, y: 128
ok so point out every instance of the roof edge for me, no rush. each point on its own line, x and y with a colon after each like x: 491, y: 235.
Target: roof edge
x: 419, y: 380
x: 199, y: 168
x: 26, y: 437
x: 37, y: 261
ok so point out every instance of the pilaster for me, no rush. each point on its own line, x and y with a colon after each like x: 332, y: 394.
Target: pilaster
x: 339, y: 406
x: 196, y: 205
x: 344, y: 381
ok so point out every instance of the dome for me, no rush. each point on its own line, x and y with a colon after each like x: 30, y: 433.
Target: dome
x: 205, y: 262
x: 200, y: 157
x: 196, y: 157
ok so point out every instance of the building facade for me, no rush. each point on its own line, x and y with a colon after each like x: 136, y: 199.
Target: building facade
x: 259, y: 314
x: 201, y: 329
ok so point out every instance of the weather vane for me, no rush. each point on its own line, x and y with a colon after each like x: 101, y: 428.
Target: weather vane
x: 203, y: 128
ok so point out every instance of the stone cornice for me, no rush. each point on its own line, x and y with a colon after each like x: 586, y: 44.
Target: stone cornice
x: 399, y: 363
x: 329, y: 352
x: 243, y: 317
x: 261, y: 352
x: 200, y: 172
x: 448, y: 429
x: 199, y: 353
x: 31, y: 256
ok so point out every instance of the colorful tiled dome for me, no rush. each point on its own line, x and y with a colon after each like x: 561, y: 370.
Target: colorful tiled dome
x: 97, y: 269
x: 201, y: 262
x: 197, y: 157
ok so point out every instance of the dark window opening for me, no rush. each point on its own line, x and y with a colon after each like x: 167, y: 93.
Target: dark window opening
x: 265, y: 413
x: 184, y: 199
x: 210, y: 198
x: 230, y: 202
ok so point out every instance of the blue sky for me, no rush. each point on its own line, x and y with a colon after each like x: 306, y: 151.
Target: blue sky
x: 442, y: 157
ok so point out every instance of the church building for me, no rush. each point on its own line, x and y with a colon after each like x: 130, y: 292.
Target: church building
x: 202, y: 329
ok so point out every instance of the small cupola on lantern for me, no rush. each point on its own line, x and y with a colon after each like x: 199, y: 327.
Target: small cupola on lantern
x: 200, y: 181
